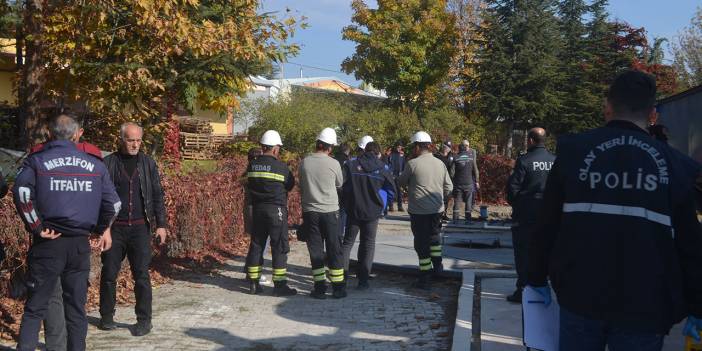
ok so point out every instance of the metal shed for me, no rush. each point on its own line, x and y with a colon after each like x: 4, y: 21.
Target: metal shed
x: 682, y: 115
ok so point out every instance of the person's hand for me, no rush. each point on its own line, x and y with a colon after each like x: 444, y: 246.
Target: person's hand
x: 161, y: 233
x: 49, y: 234
x: 105, y: 242
x: 693, y: 326
x: 544, y: 291
x: 477, y: 186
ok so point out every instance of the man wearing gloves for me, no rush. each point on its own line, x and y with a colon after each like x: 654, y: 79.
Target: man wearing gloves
x: 619, y: 238
x: 367, y: 191
x: 428, y: 183
x: 320, y: 179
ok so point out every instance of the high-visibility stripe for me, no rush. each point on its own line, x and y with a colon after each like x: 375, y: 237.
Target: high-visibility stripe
x: 319, y: 278
x: 254, y: 272
x: 435, y: 251
x: 319, y: 274
x: 318, y: 271
x: 617, y: 210
x: 279, y: 274
x: 424, y: 264
x: 337, y: 275
x: 266, y: 175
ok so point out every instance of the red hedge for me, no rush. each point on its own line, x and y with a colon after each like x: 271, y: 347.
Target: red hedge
x: 494, y: 172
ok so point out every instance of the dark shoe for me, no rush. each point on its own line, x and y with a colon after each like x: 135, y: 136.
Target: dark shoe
x: 362, y: 285
x: 107, y: 323
x: 142, y: 328
x: 391, y: 209
x: 516, y: 297
x: 437, y: 268
x: 282, y: 289
x: 255, y: 288
x: 444, y: 217
x: 422, y: 283
x: 339, y: 291
x: 319, y: 291
x: 401, y: 209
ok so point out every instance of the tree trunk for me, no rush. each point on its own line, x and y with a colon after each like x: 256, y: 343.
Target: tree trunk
x: 230, y: 120
x: 510, y: 140
x: 31, y: 86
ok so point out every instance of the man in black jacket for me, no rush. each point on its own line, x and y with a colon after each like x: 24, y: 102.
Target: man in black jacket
x: 368, y: 189
x: 269, y: 180
x: 464, y: 172
x: 138, y: 185
x: 620, y: 240
x: 397, y: 161
x: 525, y: 192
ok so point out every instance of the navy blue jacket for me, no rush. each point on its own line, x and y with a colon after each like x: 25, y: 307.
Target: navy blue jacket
x: 396, y: 161
x: 368, y: 187
x: 65, y: 189
x: 619, y: 237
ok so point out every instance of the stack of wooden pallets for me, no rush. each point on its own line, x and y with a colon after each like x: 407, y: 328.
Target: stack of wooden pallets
x: 197, y: 141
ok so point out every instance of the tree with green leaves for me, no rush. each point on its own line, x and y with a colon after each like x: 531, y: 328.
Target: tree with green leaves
x: 518, y: 63
x: 404, y: 47
x: 687, y: 52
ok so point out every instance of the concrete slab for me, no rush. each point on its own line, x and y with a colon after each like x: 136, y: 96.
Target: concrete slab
x: 500, y: 321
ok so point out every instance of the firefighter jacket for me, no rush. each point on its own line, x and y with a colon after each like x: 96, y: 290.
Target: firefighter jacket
x: 619, y: 237
x: 269, y: 181
x: 65, y: 189
x: 525, y: 187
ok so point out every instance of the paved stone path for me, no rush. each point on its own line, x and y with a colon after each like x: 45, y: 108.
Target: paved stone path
x: 214, y: 312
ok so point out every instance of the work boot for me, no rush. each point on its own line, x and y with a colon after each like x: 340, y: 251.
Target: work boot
x: 339, y: 291
x: 422, y: 283
x: 107, y: 323
x: 444, y: 217
x: 400, y: 208
x: 516, y: 297
x: 319, y: 291
x: 142, y: 328
x: 437, y: 268
x: 391, y: 208
x: 282, y: 289
x: 255, y: 287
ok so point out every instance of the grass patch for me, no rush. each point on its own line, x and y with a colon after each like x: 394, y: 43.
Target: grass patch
x: 208, y: 166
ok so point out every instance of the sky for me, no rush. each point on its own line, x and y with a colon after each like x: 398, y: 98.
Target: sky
x: 323, y: 50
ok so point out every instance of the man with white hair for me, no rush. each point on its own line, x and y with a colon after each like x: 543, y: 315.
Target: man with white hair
x: 138, y: 184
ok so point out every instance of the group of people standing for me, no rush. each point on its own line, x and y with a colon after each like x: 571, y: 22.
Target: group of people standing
x: 343, y: 198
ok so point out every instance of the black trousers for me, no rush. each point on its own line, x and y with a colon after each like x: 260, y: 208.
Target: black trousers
x: 55, y: 321
x: 398, y: 194
x: 521, y: 234
x: 269, y: 221
x: 322, y: 231
x: 427, y: 240
x: 134, y: 242
x: 67, y: 257
x: 463, y: 194
x: 366, y: 249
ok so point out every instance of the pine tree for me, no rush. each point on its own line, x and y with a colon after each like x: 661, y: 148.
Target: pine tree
x: 518, y: 63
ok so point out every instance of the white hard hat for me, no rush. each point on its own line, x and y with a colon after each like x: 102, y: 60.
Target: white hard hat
x: 327, y: 135
x: 420, y: 137
x: 364, y: 141
x: 271, y: 138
